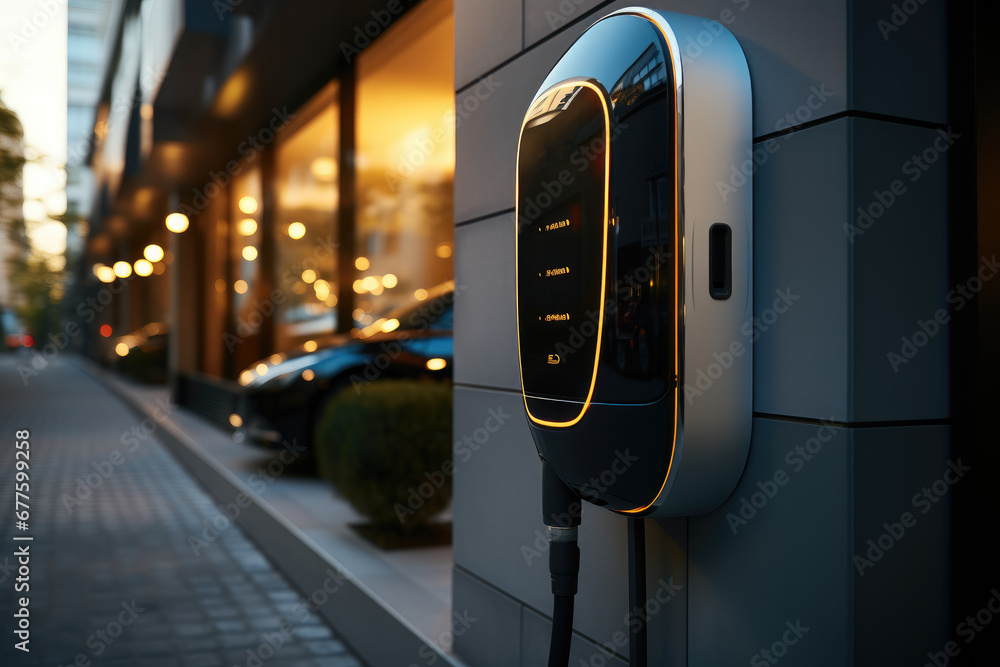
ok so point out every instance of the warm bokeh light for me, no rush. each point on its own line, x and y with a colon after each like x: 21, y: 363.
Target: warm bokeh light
x: 220, y: 286
x: 121, y: 349
x: 235, y: 420
x: 444, y: 251
x: 153, y: 252
x: 246, y: 377
x: 389, y: 280
x: 177, y: 222
x: 420, y: 294
x: 248, y: 204
x: 358, y: 286
x: 322, y: 289
x: 249, y: 253
x: 240, y: 286
x: 362, y: 263
x: 331, y: 300
x: 436, y: 364
x: 143, y: 267
x: 308, y: 276
x: 359, y: 313
x: 299, y: 287
x: 106, y: 330
x: 369, y: 283
x: 159, y: 268
x: 27, y: 340
x: 310, y: 346
x: 106, y: 274
x: 308, y: 375
x: 122, y: 269
x: 247, y: 227
x: 296, y: 230
x: 275, y: 358
x: 97, y: 269
x: 323, y: 168
x: 390, y: 325
x: 261, y: 369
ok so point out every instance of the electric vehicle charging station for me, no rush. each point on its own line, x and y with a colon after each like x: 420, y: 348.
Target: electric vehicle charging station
x: 634, y: 277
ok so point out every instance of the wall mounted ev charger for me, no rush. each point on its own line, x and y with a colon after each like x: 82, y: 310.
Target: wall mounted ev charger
x: 634, y: 264
x: 634, y: 277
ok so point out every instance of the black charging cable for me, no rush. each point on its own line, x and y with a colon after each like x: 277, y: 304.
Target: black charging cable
x: 637, y: 656
x: 561, y: 510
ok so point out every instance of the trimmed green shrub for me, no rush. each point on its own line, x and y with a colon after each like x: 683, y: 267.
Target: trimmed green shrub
x: 379, y: 444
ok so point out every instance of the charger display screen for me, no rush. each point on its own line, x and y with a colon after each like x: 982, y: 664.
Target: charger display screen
x: 562, y: 220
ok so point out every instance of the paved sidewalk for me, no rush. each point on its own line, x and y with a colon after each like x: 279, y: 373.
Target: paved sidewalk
x: 114, y: 574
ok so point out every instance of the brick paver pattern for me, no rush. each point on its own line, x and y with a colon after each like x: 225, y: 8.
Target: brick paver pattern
x: 114, y: 579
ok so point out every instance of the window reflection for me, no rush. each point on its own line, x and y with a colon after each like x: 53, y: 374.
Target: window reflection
x: 305, y: 232
x: 405, y: 162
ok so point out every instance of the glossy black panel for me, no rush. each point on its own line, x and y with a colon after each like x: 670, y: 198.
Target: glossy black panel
x: 562, y: 169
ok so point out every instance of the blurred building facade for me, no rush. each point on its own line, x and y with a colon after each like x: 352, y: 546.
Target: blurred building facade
x: 318, y: 148
x: 13, y: 242
x: 87, y: 22
x: 316, y: 181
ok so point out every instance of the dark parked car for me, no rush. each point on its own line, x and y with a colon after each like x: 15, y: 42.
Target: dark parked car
x: 284, y: 394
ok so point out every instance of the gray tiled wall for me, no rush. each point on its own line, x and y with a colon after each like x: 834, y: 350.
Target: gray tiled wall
x: 826, y: 358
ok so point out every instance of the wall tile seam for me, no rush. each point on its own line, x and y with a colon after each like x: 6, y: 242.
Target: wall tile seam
x: 522, y: 606
x: 851, y: 303
x: 854, y: 425
x: 852, y: 113
x: 834, y: 117
x: 849, y: 544
x: 487, y: 216
x: 532, y: 46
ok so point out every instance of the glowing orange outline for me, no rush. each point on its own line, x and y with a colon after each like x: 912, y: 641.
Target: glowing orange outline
x: 571, y: 83
x: 678, y: 257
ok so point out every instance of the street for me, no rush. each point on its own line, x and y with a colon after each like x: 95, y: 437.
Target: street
x: 109, y: 575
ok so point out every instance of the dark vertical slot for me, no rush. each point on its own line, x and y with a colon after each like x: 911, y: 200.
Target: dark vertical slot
x: 720, y: 261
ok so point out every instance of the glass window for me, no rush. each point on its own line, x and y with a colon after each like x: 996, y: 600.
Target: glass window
x: 305, y: 230
x: 244, y: 248
x: 405, y: 161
